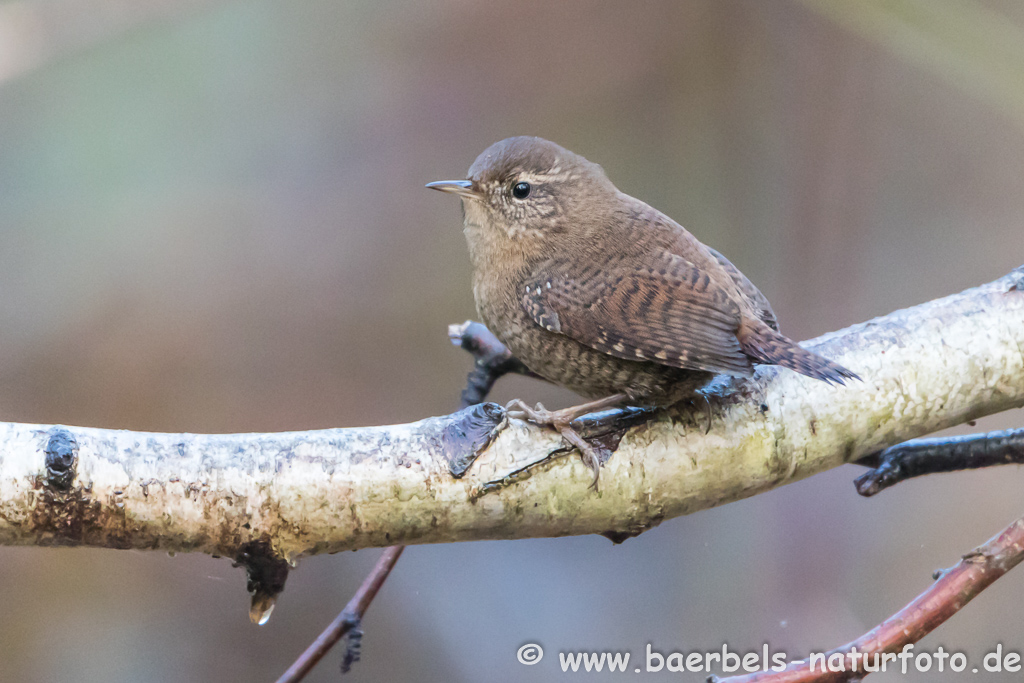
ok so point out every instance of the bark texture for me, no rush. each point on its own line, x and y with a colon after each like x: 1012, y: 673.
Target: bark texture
x: 292, y: 494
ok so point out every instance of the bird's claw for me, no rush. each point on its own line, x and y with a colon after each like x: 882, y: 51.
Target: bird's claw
x: 560, y: 421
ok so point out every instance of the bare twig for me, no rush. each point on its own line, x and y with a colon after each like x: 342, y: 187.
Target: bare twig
x: 950, y: 454
x: 954, y: 588
x: 348, y: 620
x: 491, y: 360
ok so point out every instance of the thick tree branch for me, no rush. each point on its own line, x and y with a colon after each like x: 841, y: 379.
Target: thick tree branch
x: 926, y: 368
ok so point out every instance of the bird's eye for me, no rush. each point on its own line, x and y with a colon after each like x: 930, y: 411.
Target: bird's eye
x: 521, y: 190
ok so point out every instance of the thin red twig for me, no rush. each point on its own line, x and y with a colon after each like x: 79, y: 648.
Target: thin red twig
x: 954, y: 588
x: 349, y: 617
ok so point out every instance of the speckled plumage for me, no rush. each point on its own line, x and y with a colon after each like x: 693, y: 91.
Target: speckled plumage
x: 596, y: 291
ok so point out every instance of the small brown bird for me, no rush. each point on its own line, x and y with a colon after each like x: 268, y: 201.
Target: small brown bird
x: 596, y: 291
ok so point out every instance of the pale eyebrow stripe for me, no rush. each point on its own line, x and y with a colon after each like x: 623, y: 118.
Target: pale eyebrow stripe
x: 555, y: 173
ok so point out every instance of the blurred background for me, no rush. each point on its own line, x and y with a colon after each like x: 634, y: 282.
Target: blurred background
x: 212, y: 219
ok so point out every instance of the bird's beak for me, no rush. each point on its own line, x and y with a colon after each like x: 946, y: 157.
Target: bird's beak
x: 463, y: 188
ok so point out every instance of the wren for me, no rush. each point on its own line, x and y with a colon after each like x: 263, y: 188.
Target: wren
x: 596, y: 291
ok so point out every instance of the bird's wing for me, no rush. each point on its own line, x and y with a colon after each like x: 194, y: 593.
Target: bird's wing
x: 749, y: 290
x: 664, y: 310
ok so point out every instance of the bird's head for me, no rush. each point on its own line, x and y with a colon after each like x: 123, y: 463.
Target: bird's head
x: 530, y: 196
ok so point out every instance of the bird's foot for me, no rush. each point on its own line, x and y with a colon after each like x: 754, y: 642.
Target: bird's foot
x: 561, y: 422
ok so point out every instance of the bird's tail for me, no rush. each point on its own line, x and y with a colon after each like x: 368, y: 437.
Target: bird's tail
x: 764, y: 345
